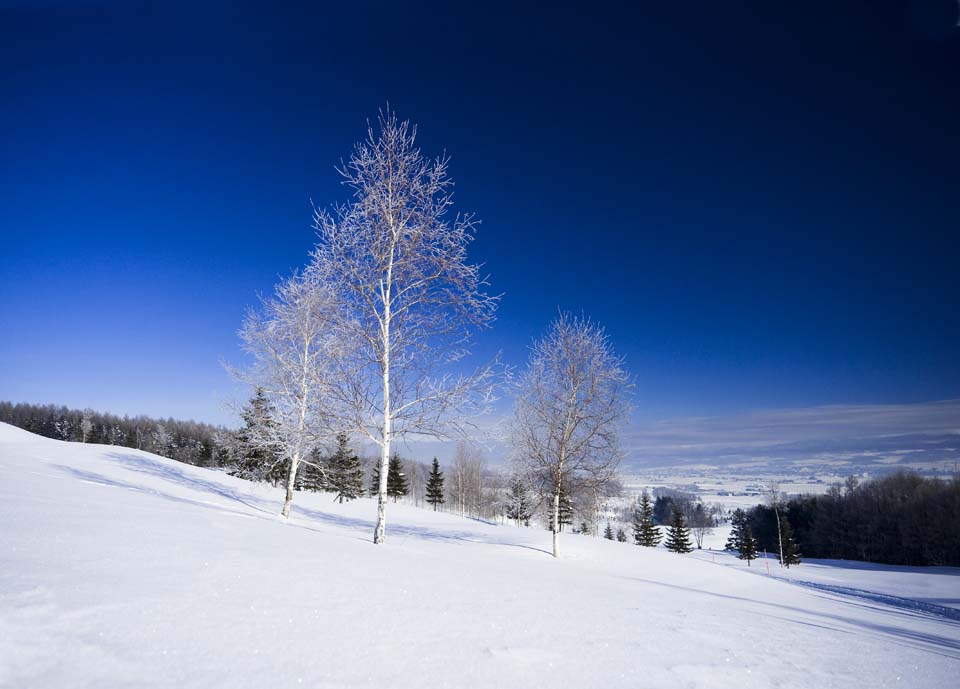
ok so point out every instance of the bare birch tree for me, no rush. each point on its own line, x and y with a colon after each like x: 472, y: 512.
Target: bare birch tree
x: 570, y: 402
x: 399, y: 262
x: 296, y: 347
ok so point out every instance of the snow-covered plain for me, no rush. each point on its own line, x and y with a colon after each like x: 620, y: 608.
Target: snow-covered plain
x: 119, y: 568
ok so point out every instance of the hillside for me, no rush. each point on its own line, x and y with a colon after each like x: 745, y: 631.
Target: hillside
x: 122, y: 568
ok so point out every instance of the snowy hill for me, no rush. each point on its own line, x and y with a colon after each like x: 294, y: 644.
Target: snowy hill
x: 122, y: 568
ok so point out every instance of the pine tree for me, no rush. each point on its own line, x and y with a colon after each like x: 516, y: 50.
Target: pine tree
x: 645, y: 532
x: 375, y: 479
x: 748, y: 545
x: 737, y: 523
x: 566, y: 508
x: 435, y: 486
x: 608, y: 532
x: 396, y: 480
x: 790, y: 554
x: 519, y: 505
x: 346, y: 474
x: 678, y: 535
x: 621, y: 536
x: 253, y: 462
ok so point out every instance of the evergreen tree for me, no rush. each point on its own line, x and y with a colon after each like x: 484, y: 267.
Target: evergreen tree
x: 345, y: 472
x: 375, y: 479
x: 678, y: 535
x: 313, y: 475
x: 621, y: 536
x: 566, y: 508
x: 738, y: 521
x: 608, y: 532
x: 748, y: 546
x: 253, y: 461
x: 519, y: 505
x: 790, y: 554
x: 396, y: 480
x: 435, y: 486
x: 645, y: 532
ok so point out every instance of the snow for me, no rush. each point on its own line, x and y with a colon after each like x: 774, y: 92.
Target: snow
x: 121, y: 568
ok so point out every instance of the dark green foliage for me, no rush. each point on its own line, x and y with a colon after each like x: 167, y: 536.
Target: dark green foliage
x: 396, y: 480
x: 375, y: 479
x: 790, y: 554
x: 737, y: 523
x: 435, y: 486
x: 899, y: 519
x: 748, y: 546
x: 608, y: 532
x: 565, y: 513
x: 645, y: 532
x: 313, y: 473
x: 621, y: 536
x: 345, y: 475
x: 678, y: 535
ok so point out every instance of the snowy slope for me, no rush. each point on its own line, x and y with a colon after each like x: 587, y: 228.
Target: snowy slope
x: 120, y: 568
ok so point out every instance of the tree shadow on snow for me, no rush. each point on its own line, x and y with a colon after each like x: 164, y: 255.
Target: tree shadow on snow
x: 941, y: 645
x: 173, y: 474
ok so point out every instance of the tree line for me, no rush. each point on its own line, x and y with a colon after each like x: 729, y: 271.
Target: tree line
x: 191, y: 442
x: 899, y: 519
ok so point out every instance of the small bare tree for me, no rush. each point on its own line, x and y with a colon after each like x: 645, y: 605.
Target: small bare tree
x: 570, y: 402
x: 399, y: 262
x: 295, y: 347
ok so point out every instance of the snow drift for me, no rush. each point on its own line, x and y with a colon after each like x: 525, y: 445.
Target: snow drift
x: 122, y: 568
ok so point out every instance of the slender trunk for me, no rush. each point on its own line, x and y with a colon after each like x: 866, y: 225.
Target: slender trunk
x: 291, y: 480
x: 779, y: 534
x: 556, y: 523
x: 379, y: 533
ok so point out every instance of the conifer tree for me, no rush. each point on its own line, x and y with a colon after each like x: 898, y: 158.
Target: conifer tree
x: 253, y: 461
x: 375, y: 479
x: 312, y: 475
x: 396, y: 480
x: 748, y: 545
x: 621, y: 536
x: 678, y: 535
x: 435, y: 486
x: 346, y: 474
x: 565, y: 510
x: 519, y: 504
x: 790, y: 554
x: 645, y: 532
x: 608, y: 532
x: 737, y: 523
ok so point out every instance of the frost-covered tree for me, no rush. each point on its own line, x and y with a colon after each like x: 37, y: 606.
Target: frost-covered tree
x: 435, y: 486
x: 296, y: 346
x: 645, y: 532
x: 398, y: 259
x: 86, y: 424
x: 570, y: 402
x: 251, y: 459
x: 678, y: 535
x: 608, y: 532
x: 621, y: 536
x: 519, y: 503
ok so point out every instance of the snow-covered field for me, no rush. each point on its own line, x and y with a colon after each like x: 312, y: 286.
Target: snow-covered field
x: 123, y: 569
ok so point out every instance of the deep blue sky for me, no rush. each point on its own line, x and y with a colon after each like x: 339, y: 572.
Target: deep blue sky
x: 761, y: 204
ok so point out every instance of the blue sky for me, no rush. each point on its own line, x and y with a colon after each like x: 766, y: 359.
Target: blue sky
x: 760, y: 205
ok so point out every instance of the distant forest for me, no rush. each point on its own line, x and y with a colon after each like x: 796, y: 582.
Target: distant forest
x: 190, y: 442
x: 900, y: 519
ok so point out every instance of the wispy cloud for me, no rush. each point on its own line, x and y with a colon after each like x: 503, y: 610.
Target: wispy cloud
x: 924, y: 433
